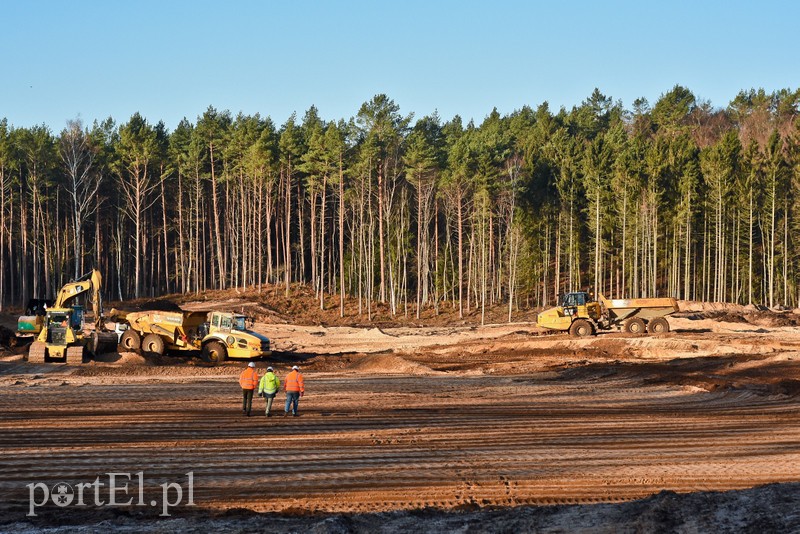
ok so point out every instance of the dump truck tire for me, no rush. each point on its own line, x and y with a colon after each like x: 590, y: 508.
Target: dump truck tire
x: 75, y: 355
x: 659, y: 325
x: 635, y: 325
x: 37, y: 352
x: 581, y: 328
x: 214, y: 352
x: 153, y: 344
x: 130, y: 341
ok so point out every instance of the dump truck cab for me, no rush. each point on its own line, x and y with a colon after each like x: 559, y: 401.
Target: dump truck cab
x: 580, y: 304
x: 226, y: 322
x: 575, y: 311
x: 229, y: 337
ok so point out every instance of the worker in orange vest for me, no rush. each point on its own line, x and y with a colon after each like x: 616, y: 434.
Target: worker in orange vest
x: 294, y: 388
x: 248, y: 380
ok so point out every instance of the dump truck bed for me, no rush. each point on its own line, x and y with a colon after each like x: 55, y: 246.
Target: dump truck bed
x: 647, y: 309
x: 183, y: 319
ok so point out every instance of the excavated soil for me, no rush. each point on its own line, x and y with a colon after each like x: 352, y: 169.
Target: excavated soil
x: 443, y: 427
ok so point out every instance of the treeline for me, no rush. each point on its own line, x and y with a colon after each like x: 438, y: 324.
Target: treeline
x: 678, y: 199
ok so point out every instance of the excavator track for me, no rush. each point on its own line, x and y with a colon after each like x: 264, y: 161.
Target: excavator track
x: 74, y: 355
x: 37, y: 352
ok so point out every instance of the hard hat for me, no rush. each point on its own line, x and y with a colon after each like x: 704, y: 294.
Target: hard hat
x: 295, y: 368
x: 251, y: 364
x: 269, y: 368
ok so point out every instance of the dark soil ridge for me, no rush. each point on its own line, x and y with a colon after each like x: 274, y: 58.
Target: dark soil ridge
x: 769, y: 508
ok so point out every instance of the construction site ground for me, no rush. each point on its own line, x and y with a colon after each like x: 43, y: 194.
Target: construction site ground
x: 436, y: 423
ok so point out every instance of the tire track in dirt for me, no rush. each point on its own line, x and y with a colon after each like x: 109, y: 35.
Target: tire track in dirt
x: 367, y: 443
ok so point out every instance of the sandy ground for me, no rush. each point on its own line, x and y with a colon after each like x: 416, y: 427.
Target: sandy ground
x: 448, y: 427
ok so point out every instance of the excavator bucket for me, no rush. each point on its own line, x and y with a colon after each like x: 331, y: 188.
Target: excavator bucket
x: 102, y: 342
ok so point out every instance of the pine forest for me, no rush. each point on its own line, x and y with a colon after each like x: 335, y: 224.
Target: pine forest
x: 678, y: 198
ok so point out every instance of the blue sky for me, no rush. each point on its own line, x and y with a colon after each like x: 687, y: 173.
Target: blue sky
x: 171, y: 59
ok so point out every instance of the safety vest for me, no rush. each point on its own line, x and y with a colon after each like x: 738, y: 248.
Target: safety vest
x: 294, y: 382
x: 249, y: 378
x: 269, y: 383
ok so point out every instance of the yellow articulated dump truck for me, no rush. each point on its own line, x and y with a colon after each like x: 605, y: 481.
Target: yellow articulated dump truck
x: 580, y: 315
x: 218, y: 335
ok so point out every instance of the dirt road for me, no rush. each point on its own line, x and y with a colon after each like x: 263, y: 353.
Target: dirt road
x: 500, y: 416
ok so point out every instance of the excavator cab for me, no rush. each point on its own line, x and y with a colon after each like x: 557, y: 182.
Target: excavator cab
x: 57, y: 323
x: 77, y: 318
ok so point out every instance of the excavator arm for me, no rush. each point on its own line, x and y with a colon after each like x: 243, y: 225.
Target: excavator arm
x: 91, y: 281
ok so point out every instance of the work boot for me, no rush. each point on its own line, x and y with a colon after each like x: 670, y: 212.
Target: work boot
x: 294, y: 414
x: 285, y: 414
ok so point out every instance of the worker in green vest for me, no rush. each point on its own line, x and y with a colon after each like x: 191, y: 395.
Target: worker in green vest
x: 268, y: 387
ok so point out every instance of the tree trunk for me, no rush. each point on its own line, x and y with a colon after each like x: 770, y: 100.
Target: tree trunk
x: 217, y: 234
x: 322, y: 244
x: 460, y: 259
x: 301, y: 227
x: 287, y: 240
x: 419, y: 242
x: 341, y: 237
x: 382, y: 291
x: 167, y: 274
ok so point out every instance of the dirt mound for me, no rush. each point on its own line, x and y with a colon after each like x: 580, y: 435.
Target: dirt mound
x: 752, y: 316
x: 132, y: 358
x: 371, y: 333
x: 700, y: 306
x: 272, y: 305
x: 8, y: 338
x: 155, y: 305
x: 769, y: 318
x: 389, y: 364
x: 148, y: 359
x: 728, y: 317
x: 120, y: 358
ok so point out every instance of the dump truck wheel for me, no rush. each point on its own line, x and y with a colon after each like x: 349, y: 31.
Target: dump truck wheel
x: 130, y: 341
x: 581, y: 328
x: 635, y: 325
x: 37, y: 352
x: 75, y: 355
x: 659, y: 325
x: 214, y: 352
x: 153, y: 344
